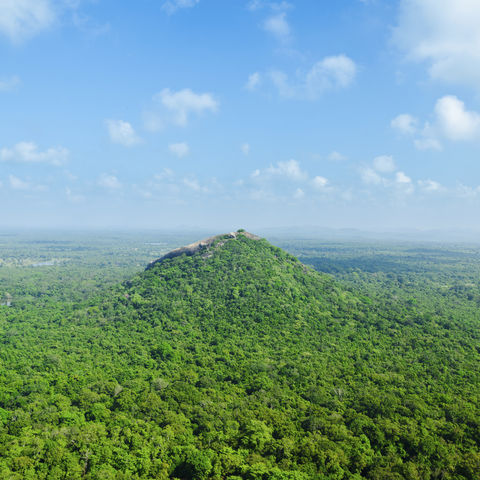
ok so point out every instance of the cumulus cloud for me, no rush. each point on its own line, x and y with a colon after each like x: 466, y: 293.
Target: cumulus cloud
x: 272, y: 182
x: 245, y: 148
x: 384, y: 163
x: 451, y: 121
x: 254, y: 5
x: 319, y: 182
x: 383, y: 173
x: 336, y: 156
x: 276, y: 23
x: 445, y: 35
x: 370, y: 177
x: 299, y: 193
x: 9, y: 84
x: 165, y: 174
x: 183, y: 103
x: 430, y: 186
x: 289, y: 169
x: 180, y: 150
x: 172, y: 6
x: 253, y: 81
x: 28, y: 152
x: 427, y: 143
x: 122, y: 133
x: 403, y: 184
x: 284, y: 180
x: 109, y: 182
x: 193, y: 184
x: 73, y: 197
x: 455, y: 121
x: 175, y: 188
x: 400, y: 177
x: 18, y: 184
x: 153, y: 122
x: 22, y: 19
x: 278, y: 26
x: 331, y: 73
x: 405, y: 123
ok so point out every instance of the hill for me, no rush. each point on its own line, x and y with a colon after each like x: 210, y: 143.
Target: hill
x: 231, y: 359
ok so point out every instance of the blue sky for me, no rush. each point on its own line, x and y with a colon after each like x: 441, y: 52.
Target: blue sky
x: 239, y: 113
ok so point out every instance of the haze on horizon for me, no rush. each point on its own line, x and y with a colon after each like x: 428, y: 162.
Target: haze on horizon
x: 357, y: 114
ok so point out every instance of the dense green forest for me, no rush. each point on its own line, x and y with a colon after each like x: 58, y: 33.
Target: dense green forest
x: 362, y: 361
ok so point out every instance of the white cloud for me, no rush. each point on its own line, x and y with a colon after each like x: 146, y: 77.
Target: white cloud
x: 285, y: 89
x: 370, y: 176
x: 27, y: 152
x: 276, y: 22
x: 253, y: 81
x: 336, y: 156
x: 110, y: 182
x: 88, y: 25
x: 122, y: 133
x: 73, y: 197
x: 427, y: 143
x: 430, y: 185
x: 18, y: 184
x: 454, y: 121
x: 273, y: 182
x: 384, y: 164
x: 245, y: 148
x: 331, y: 73
x: 171, y: 6
x: 399, y: 183
x: 319, y: 182
x: 9, y: 84
x: 194, y: 184
x: 403, y: 184
x: 166, y: 174
x: 383, y: 173
x: 175, y: 188
x: 400, y: 177
x: 445, y: 35
x: 153, y: 122
x: 405, y: 123
x: 278, y: 26
x: 465, y: 191
x: 289, y: 169
x: 22, y: 19
x: 185, y: 102
x: 179, y: 149
x: 254, y: 5
x: 299, y: 193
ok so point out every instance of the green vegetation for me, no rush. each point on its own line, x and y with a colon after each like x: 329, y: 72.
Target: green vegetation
x: 241, y: 362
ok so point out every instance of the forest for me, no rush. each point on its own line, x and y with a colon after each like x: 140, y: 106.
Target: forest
x: 309, y: 359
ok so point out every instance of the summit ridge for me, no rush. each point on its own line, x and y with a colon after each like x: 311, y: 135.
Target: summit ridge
x: 195, y: 247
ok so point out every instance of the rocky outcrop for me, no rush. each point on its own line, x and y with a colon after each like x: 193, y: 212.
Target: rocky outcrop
x: 195, y: 247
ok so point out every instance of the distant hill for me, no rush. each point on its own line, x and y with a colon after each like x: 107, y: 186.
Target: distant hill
x: 230, y: 359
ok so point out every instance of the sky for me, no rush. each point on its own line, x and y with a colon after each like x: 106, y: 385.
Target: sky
x: 240, y: 113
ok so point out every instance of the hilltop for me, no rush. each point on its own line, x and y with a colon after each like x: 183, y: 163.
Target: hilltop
x: 231, y: 359
x: 217, y: 240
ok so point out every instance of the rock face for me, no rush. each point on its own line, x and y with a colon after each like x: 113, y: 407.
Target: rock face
x: 203, y: 244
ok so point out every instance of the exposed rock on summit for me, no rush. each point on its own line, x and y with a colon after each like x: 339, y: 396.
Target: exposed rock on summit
x: 203, y: 244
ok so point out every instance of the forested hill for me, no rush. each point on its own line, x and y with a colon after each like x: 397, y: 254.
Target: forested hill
x: 236, y: 361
